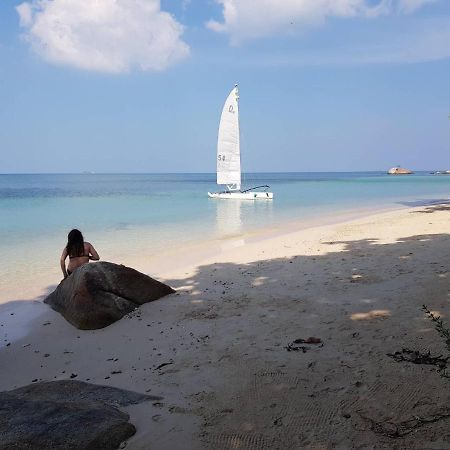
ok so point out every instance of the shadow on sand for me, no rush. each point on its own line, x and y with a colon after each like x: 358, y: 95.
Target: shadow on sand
x: 363, y: 299
x: 231, y: 325
x: 435, y: 202
x: 17, y: 317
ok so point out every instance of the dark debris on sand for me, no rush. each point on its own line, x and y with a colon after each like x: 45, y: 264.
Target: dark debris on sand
x: 416, y: 357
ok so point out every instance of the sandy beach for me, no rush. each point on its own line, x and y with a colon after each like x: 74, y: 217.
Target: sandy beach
x: 218, y: 350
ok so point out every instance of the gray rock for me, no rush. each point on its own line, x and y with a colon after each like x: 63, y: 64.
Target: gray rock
x: 98, y: 294
x: 79, y: 391
x: 65, y: 415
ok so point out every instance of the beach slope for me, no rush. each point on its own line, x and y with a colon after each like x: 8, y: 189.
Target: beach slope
x: 226, y: 352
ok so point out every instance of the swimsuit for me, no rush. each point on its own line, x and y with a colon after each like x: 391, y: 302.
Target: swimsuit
x: 72, y: 257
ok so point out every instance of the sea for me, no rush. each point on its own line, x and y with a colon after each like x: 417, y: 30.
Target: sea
x: 145, y: 215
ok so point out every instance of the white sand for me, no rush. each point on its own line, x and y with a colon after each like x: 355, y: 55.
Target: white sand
x: 358, y: 286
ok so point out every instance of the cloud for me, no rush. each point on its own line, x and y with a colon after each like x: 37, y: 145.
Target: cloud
x: 185, y: 4
x: 409, y: 6
x: 248, y: 19
x: 417, y: 42
x: 103, y: 35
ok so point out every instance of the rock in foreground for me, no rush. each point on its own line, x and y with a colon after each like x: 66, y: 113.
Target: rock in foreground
x: 66, y: 415
x: 97, y: 295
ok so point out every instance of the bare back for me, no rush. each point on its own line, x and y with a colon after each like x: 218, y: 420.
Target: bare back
x: 76, y: 261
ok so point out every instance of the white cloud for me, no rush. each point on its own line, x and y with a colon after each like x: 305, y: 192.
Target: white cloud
x: 103, y: 35
x: 249, y: 19
x: 246, y: 19
x: 409, y: 6
x: 417, y: 42
x: 185, y: 4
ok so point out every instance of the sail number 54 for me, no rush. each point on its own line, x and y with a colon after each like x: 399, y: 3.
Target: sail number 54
x: 221, y: 157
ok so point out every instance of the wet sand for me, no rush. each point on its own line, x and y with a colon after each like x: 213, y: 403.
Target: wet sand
x: 216, y: 350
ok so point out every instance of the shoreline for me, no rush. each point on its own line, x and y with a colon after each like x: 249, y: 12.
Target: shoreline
x: 136, y: 246
x: 357, y: 285
x: 187, y: 258
x: 51, y: 276
x: 162, y: 266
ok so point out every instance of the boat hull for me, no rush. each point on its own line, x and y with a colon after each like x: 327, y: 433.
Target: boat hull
x: 242, y: 195
x: 399, y: 171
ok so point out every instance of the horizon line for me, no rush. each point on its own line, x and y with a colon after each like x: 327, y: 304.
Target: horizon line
x: 206, y: 173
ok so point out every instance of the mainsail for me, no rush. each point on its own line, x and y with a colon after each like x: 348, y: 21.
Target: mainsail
x: 228, y: 145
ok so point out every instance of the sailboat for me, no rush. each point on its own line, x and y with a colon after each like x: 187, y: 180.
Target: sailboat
x: 229, y: 156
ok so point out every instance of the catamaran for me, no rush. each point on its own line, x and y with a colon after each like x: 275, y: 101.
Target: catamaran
x: 229, y: 156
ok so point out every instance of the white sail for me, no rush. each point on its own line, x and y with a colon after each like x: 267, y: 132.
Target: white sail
x: 229, y: 156
x: 228, y: 145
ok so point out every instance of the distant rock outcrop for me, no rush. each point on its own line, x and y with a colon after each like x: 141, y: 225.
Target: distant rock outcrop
x: 399, y: 171
x: 98, y: 294
x: 67, y: 415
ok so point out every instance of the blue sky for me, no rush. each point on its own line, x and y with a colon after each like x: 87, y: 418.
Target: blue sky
x: 138, y: 85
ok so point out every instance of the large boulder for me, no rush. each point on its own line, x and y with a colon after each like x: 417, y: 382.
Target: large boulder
x: 67, y: 415
x: 98, y: 294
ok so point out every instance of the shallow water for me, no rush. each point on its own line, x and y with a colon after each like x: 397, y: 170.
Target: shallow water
x: 144, y: 214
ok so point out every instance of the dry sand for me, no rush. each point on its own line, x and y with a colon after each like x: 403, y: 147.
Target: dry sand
x: 216, y: 350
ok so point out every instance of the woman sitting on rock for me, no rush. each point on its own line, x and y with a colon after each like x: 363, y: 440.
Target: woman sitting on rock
x: 78, y: 251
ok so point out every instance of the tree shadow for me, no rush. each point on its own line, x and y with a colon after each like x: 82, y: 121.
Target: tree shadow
x: 432, y: 209
x: 436, y: 202
x: 363, y: 299
x: 231, y: 325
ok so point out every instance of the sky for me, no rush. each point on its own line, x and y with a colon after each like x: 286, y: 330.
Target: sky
x: 139, y: 85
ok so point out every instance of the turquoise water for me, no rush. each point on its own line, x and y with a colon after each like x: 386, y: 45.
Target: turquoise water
x: 37, y: 206
x: 132, y: 216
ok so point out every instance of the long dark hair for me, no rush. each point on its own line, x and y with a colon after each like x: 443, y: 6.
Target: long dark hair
x: 75, y: 243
